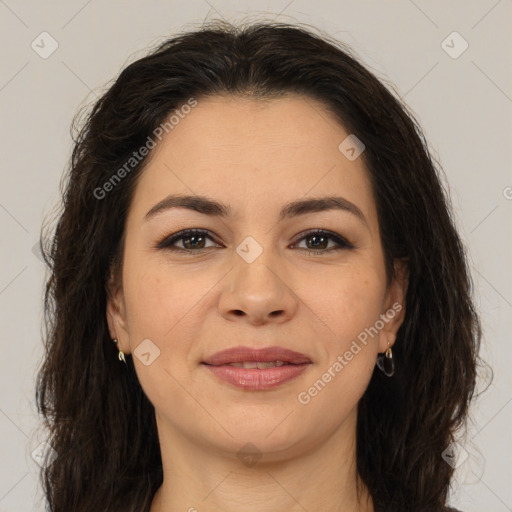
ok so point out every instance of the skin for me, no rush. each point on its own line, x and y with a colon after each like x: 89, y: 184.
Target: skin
x: 256, y: 156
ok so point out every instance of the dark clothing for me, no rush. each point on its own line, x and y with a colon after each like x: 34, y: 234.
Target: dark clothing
x: 379, y: 508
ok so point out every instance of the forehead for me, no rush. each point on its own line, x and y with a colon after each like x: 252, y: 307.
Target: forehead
x: 249, y: 151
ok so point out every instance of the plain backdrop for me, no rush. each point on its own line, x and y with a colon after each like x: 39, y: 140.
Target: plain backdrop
x: 459, y: 85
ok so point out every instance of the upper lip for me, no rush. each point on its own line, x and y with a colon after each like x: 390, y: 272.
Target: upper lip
x: 268, y: 354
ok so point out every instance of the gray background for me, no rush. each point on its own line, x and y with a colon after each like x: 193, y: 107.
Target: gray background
x: 463, y: 103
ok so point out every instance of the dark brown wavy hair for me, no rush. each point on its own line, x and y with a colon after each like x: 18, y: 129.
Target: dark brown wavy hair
x: 100, y: 421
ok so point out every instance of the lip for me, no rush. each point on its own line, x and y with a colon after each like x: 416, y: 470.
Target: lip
x: 254, y: 379
x: 241, y: 354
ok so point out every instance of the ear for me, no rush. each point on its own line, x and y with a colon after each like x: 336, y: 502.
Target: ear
x: 116, y: 313
x: 394, y: 304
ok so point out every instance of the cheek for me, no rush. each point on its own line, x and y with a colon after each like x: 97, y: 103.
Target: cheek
x: 162, y: 307
x: 159, y: 300
x: 348, y: 346
x: 349, y: 308
x: 349, y: 302
x: 167, y: 306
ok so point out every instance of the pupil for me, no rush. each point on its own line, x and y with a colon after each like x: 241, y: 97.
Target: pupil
x: 317, y: 238
x: 193, y: 238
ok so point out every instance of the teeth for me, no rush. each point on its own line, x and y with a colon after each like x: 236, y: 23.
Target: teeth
x: 268, y: 364
x: 257, y: 364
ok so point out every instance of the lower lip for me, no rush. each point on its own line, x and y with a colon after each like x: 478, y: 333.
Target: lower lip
x: 257, y: 380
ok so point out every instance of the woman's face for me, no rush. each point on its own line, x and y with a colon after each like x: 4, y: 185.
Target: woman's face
x: 249, y: 280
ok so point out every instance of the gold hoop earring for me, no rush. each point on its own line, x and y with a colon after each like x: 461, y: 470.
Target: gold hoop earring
x: 121, y: 353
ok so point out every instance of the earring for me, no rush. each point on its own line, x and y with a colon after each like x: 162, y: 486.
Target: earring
x: 121, y: 353
x: 386, y: 363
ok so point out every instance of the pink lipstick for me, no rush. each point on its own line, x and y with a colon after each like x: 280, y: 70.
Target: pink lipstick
x: 257, y: 369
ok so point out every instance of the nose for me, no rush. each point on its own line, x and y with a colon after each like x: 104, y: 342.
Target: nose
x: 257, y: 293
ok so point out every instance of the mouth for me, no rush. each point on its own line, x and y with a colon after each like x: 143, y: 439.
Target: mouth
x: 277, y: 356
x: 257, y: 369
x: 260, y: 365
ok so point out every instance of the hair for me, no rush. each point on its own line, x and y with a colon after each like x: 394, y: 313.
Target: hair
x: 100, y: 422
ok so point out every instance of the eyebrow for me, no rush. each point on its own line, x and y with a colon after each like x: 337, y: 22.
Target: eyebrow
x: 207, y: 206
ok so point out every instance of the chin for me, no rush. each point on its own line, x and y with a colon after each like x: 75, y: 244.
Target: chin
x: 268, y: 433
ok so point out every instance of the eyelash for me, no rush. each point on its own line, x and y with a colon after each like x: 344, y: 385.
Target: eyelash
x: 166, y: 243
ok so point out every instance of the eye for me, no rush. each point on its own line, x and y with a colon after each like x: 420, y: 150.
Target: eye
x: 320, y: 240
x: 193, y: 240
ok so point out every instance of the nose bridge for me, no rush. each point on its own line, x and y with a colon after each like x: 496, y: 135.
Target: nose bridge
x: 254, y: 268
x: 257, y: 286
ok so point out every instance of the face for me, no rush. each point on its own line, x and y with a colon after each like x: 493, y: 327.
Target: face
x: 309, y: 280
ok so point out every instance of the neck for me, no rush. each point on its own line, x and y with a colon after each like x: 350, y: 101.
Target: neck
x: 322, y: 477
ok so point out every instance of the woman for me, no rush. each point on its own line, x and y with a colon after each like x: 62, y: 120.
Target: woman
x: 257, y: 224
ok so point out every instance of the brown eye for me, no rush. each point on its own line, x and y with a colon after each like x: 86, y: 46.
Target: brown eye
x: 192, y: 240
x: 317, y: 242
